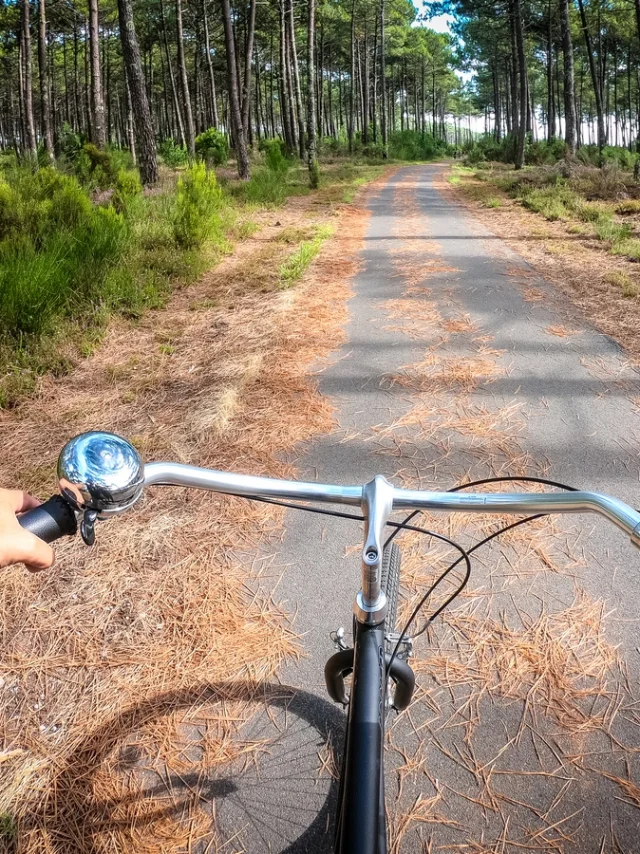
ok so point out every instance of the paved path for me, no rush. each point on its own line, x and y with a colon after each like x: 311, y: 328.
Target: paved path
x: 478, y: 368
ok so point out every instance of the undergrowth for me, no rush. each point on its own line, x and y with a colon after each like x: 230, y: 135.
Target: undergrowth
x: 296, y: 264
x: 69, y: 260
x: 587, y: 200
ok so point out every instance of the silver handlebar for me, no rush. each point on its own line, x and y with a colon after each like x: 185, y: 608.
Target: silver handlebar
x: 103, y: 474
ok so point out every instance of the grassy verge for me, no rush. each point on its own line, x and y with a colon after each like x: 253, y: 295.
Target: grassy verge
x: 68, y: 263
x: 294, y: 267
x: 590, y: 203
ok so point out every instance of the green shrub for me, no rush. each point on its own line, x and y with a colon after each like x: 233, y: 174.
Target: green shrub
x: 212, y: 146
x: 128, y: 188
x: 628, y: 206
x: 172, y: 154
x: 553, y: 203
x: 34, y: 205
x: 70, y: 143
x: 266, y: 187
x: 594, y: 212
x: 629, y: 248
x: 612, y: 232
x: 543, y: 153
x: 413, y: 145
x: 9, y: 209
x: 275, y: 156
x: 198, y: 199
x: 475, y: 155
x: 96, y: 167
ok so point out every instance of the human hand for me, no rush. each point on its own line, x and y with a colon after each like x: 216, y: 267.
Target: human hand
x: 16, y: 544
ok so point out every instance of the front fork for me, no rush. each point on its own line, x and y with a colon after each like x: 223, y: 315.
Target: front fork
x: 361, y: 826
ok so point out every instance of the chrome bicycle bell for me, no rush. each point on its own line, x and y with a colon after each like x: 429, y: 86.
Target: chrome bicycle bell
x: 99, y: 474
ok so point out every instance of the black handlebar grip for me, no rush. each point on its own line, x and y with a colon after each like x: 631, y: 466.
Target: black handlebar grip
x: 51, y: 520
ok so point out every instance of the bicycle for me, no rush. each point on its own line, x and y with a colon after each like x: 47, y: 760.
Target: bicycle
x: 101, y: 475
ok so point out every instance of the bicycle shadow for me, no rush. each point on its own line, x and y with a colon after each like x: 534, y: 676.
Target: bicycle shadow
x: 75, y: 821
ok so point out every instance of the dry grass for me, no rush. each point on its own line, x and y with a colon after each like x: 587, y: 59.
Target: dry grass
x: 161, y: 626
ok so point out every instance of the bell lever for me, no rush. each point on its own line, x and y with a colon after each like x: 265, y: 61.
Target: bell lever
x: 88, y: 527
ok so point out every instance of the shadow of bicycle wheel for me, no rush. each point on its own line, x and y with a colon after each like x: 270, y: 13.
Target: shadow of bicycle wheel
x: 273, y: 797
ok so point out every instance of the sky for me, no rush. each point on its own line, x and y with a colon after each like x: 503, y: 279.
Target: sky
x: 440, y: 23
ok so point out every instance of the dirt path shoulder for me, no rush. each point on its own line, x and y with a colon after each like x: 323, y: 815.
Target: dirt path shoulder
x: 578, y: 266
x: 152, y: 644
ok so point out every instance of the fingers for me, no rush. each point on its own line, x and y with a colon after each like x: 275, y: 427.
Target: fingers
x: 24, y: 547
x: 20, y: 501
x: 42, y: 556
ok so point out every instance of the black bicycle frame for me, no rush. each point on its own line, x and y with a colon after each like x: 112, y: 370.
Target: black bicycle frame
x: 361, y: 825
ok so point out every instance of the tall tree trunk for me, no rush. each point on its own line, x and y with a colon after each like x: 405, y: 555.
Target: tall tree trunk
x: 29, y: 141
x: 352, y: 87
x: 184, y: 84
x: 130, y: 124
x: 76, y: 75
x: 293, y: 123
x: 551, y: 112
x: 523, y: 93
x: 98, y: 134
x: 212, y: 80
x: 296, y: 80
x: 569, y: 83
x: 383, y: 84
x: 145, y: 137
x: 595, y: 78
x: 65, y: 71
x: 285, y: 100
x: 234, y: 94
x: 365, y: 89
x: 497, y: 107
x: 246, y: 84
x: 45, y: 100
x: 312, y: 154
x: 513, y: 79
x: 172, y: 80
x: 87, y: 82
x: 320, y: 86
x: 107, y: 55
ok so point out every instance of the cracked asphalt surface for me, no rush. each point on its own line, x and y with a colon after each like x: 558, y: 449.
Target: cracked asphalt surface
x: 483, y: 780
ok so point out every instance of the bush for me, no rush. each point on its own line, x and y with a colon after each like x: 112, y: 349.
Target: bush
x: 62, y: 273
x: 413, y: 145
x: 33, y: 205
x: 96, y: 167
x: 628, y: 206
x: 212, y: 146
x: 475, y: 155
x: 198, y: 199
x: 172, y: 154
x: 591, y: 155
x: 275, y: 156
x: 128, y: 188
x: 543, y: 153
x: 266, y: 187
x: 553, y: 203
x: 70, y: 143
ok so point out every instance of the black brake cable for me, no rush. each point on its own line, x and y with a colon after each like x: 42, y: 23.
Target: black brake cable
x: 469, y: 484
x: 441, y: 578
x: 404, y: 525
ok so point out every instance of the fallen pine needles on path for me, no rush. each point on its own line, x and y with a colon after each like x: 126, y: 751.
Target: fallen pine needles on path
x: 110, y: 661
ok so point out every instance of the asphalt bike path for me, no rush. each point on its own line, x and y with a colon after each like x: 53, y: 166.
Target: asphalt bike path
x: 461, y: 362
